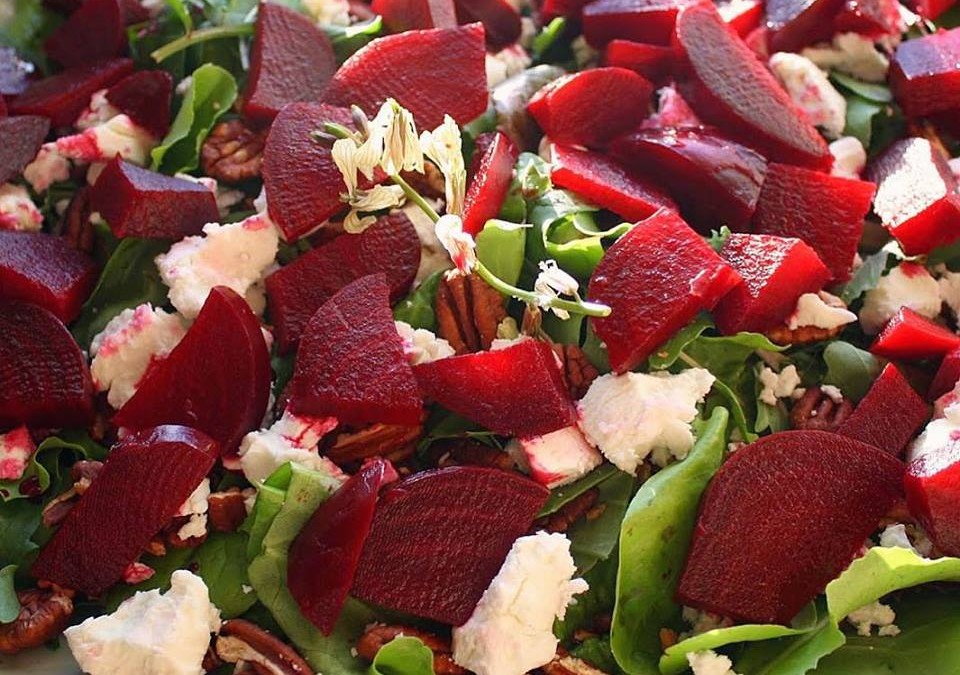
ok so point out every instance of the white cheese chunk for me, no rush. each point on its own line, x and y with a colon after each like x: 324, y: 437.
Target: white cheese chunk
x: 811, y: 310
x: 557, y: 458
x: 811, y: 91
x: 907, y: 285
x: 778, y: 385
x: 421, y: 345
x: 47, y: 168
x: 98, y: 111
x: 875, y: 614
x: 849, y: 157
x: 292, y: 438
x: 328, y: 12
x: 708, y: 662
x: 16, y: 449
x: 196, y: 507
x: 853, y: 54
x: 17, y: 210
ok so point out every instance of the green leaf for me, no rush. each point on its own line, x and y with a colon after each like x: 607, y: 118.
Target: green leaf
x: 500, y: 246
x: 548, y: 36
x: 182, y: 12
x: 597, y: 652
x: 403, y: 656
x: 727, y: 397
x: 877, y: 93
x: 596, y: 602
x: 563, y: 331
x: 669, y: 352
x: 9, y: 603
x: 860, y: 114
x: 867, y: 275
x: 850, y: 369
x: 795, y: 655
x: 19, y: 521
x: 654, y: 538
x: 595, y: 351
x: 221, y: 562
x: 48, y: 463
x: 562, y: 496
x: 418, y: 308
x: 29, y: 23
x: 719, y: 237
x: 593, y: 540
x: 347, y: 40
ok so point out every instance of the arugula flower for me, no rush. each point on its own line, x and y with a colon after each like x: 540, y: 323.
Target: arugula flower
x: 460, y: 245
x: 444, y: 147
x: 551, y: 283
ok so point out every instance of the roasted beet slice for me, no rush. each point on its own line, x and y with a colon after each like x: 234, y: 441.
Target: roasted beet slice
x: 932, y: 484
x: 727, y: 86
x: 650, y: 21
x: 651, y: 61
x: 92, y: 33
x: 825, y: 211
x: 792, y: 509
x: 44, y: 379
x: 20, y: 139
x: 744, y: 16
x: 911, y: 337
x: 874, y: 18
x: 403, y: 15
x: 430, y: 72
x: 492, y: 173
x: 351, y: 365
x: 924, y: 75
x: 602, y: 181
x: 439, y: 538
x: 568, y: 112
x: 715, y: 180
x: 570, y: 9
x: 500, y: 19
x: 931, y: 9
x: 291, y: 60
x: 142, y: 203
x: 296, y: 291
x: 493, y: 389
x: 46, y: 271
x: 62, y: 97
x: 324, y: 556
x: 794, y: 24
x: 656, y: 278
x: 145, y: 98
x: 948, y: 374
x: 889, y: 415
x: 145, y: 480
x: 217, y: 379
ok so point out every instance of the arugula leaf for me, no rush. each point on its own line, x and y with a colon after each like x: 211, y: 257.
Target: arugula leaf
x: 52, y: 455
x: 500, y: 246
x: 598, y: 600
x: 548, y: 36
x: 403, y: 656
x: 9, y: 603
x: 562, y: 496
x: 593, y: 540
x: 563, y: 331
x: 418, y: 308
x: 860, y: 114
x: 878, y: 93
x: 19, y: 520
x: 850, y: 369
x: 670, y: 351
x: 347, y: 40
x: 221, y: 562
x: 867, y: 275
x: 790, y: 655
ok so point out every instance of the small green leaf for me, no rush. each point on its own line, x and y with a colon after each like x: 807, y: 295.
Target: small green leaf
x: 19, y: 521
x: 417, y: 309
x: 850, y: 369
x: 670, y: 351
x: 347, y: 40
x: 49, y: 462
x: 860, y: 114
x: 500, y: 246
x: 719, y: 237
x: 877, y: 93
x: 221, y: 562
x: 562, y: 496
x: 548, y: 37
x: 563, y: 331
x: 403, y: 656
x: 182, y: 12
x: 592, y: 540
x: 794, y: 655
x: 596, y: 602
x: 867, y: 275
x: 9, y: 604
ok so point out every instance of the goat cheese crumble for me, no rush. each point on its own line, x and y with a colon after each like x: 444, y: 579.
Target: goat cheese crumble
x: 784, y: 384
x: 292, y: 438
x: 557, y: 458
x: 853, y: 54
x: 421, y: 345
x: 708, y: 662
x: 875, y: 614
x: 17, y: 210
x: 907, y: 285
x: 811, y: 91
x: 849, y: 157
x: 16, y: 449
x: 811, y: 310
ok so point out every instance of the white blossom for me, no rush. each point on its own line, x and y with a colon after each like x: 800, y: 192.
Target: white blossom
x: 459, y: 245
x: 367, y: 201
x: 393, y: 136
x: 444, y: 147
x: 551, y: 283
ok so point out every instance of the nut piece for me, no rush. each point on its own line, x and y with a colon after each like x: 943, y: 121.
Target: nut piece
x: 466, y: 452
x: 804, y: 335
x: 82, y: 473
x: 468, y: 312
x: 569, y: 513
x: 232, y: 152
x: 390, y: 441
x: 77, y: 228
x: 815, y: 410
x: 377, y: 635
x: 226, y: 511
x: 44, y: 614
x: 242, y: 640
x: 578, y: 372
x: 564, y: 664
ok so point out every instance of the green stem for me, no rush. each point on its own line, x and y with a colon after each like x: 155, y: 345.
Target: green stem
x: 198, y: 36
x: 574, y: 307
x: 415, y: 197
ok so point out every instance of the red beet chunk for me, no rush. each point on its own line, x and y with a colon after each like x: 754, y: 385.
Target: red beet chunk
x: 569, y: 9
x: 493, y: 389
x: 931, y: 9
x: 500, y: 19
x: 825, y: 211
x: 217, y: 379
x: 146, y: 478
x: 916, y: 195
x: 292, y: 60
x: 649, y: 21
x: 403, y: 15
x: 650, y: 61
x: 924, y: 75
x: 794, y: 24
x: 744, y: 16
x: 932, y: 484
x: 92, y: 33
x: 567, y: 109
x: 911, y: 337
x: 727, y: 86
x: 46, y: 271
x: 351, y: 365
x: 439, y: 538
x: 430, y: 72
x: 44, y: 380
x: 875, y: 18
x: 602, y: 181
x: 776, y: 271
x: 20, y: 139
x: 889, y: 415
x: 142, y: 203
x: 298, y: 290
x: 948, y: 374
x: 145, y: 98
x: 492, y: 173
x: 62, y: 97
x: 792, y: 509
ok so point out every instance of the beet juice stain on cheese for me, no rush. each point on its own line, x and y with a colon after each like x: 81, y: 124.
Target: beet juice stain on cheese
x: 493, y: 337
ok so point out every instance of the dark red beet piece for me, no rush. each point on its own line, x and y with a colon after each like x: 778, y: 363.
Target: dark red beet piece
x: 46, y: 271
x: 20, y: 139
x: 144, y: 481
x: 931, y: 9
x: 145, y: 98
x: 932, y: 484
x: 794, y: 24
x: 776, y: 271
x: 793, y: 509
x: 889, y: 415
x: 439, y: 538
x: 403, y: 15
x: 492, y: 173
x: 948, y: 374
x: 291, y: 60
x: 727, y: 86
x: 351, y: 365
x: 873, y: 18
x: 649, y: 21
x: 744, y: 16
x: 62, y: 97
x: 911, y: 337
x: 715, y: 180
x: 568, y: 112
x: 142, y: 203
x: 44, y: 379
x: 656, y: 279
x: 924, y: 75
x: 493, y: 389
x: 296, y: 291
x: 217, y: 379
x: 569, y: 9
x: 825, y: 211
x: 92, y: 33
x: 324, y: 556
x: 394, y: 66
x: 500, y: 19
x: 651, y: 61
x: 602, y: 181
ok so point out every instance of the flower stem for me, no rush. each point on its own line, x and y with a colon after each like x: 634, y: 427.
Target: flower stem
x: 198, y: 36
x: 572, y: 306
x: 415, y: 197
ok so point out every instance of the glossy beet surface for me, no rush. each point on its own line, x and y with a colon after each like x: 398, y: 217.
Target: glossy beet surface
x: 396, y: 66
x: 744, y: 16
x: 146, y: 478
x: 924, y: 75
x: 439, y: 537
x: 216, y: 380
x: 44, y: 380
x: 92, y: 33
x: 794, y: 24
x: 324, y: 556
x: 296, y: 291
x: 911, y: 337
x: 351, y: 365
x: 651, y: 61
x: 501, y: 21
x: 727, y: 86
x: 932, y: 484
x: 948, y: 374
x: 655, y: 279
x: 931, y: 9
x: 145, y: 98
x: 20, y: 139
x: 825, y: 211
x: 889, y: 415
x: 874, y: 18
x: 491, y: 176
x: 649, y: 21
x: 291, y: 60
x: 142, y: 203
x: 715, y: 180
x: 403, y: 15
x: 792, y: 509
x: 46, y: 271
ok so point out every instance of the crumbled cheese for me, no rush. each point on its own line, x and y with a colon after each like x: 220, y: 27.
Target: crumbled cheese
x: 832, y: 392
x: 196, y: 508
x: 875, y: 614
x: 98, y: 111
x: 17, y: 210
x: 293, y: 438
x: 421, y: 345
x: 853, y: 54
x: 939, y: 434
x: 811, y: 91
x: 433, y: 256
x: 117, y: 136
x: 849, y: 157
x: 557, y: 458
x: 136, y: 573
x: 328, y: 12
x: 505, y: 64
x: 708, y: 662
x: 47, y: 168
x: 949, y: 285
x: 811, y: 310
x: 16, y: 449
x: 907, y: 285
x: 778, y: 385
x: 584, y: 55
x: 895, y: 536
x: 702, y: 622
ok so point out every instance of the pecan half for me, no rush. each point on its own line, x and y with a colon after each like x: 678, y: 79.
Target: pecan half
x: 390, y: 441
x: 233, y: 152
x: 241, y: 640
x: 804, y: 335
x: 569, y: 513
x: 377, y: 635
x: 77, y: 228
x: 463, y: 451
x: 226, y: 511
x: 468, y: 312
x: 43, y: 616
x: 815, y: 410
x: 578, y: 372
x: 564, y: 664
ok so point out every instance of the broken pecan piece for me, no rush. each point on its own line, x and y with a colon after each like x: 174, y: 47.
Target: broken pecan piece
x: 804, y: 335
x: 241, y: 640
x: 561, y: 520
x: 77, y: 228
x: 578, y: 372
x: 82, y: 473
x: 233, y: 152
x: 226, y: 511
x: 390, y: 441
x: 815, y: 410
x: 468, y: 312
x: 377, y: 635
x: 465, y: 452
x: 43, y: 616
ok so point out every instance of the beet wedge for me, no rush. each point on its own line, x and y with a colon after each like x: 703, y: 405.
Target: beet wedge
x: 794, y: 24
x: 500, y: 19
x: 649, y: 21
x: 143, y: 483
x: 651, y: 61
x: 44, y: 379
x: 216, y: 380
x: 492, y: 173
x: 923, y: 74
x: 145, y: 98
x: 20, y: 139
x: 889, y: 415
x: 351, y: 365
x: 792, y: 509
x: 911, y: 337
x: 439, y: 538
x: 92, y: 33
x: 400, y: 16
x: 948, y: 374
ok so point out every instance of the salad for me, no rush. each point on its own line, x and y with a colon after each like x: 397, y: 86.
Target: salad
x: 437, y: 337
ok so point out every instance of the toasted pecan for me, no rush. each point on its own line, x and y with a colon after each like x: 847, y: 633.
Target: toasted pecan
x: 377, y: 635
x: 44, y: 613
x: 390, y: 441
x: 468, y: 312
x: 233, y: 152
x: 815, y: 410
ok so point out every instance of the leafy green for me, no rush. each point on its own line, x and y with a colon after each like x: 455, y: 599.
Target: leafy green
x: 348, y: 39
x: 531, y: 180
x: 597, y: 652
x: 794, y: 655
x: 9, y: 603
x: 563, y: 331
x: 417, y: 309
x: 19, y: 521
x: 670, y: 351
x: 221, y: 563
x: 47, y: 464
x: 500, y: 246
x: 867, y: 275
x: 719, y: 237
x: 860, y: 115
x: 595, y: 351
x: 29, y: 24
x: 592, y: 540
x: 403, y: 656
x: 562, y: 496
x: 850, y: 369
x: 596, y: 602
x: 163, y: 568
x: 548, y: 37
x: 878, y: 93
